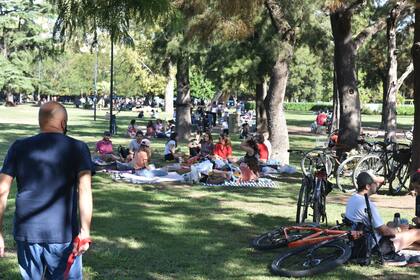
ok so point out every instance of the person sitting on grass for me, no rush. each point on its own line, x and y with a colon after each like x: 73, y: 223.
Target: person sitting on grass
x: 104, y: 148
x: 140, y: 162
x: 206, y: 149
x: 134, y: 145
x: 139, y: 159
x: 194, y: 146
x: 249, y: 164
x: 206, y: 145
x: 267, y: 143
x: 132, y: 129
x: 244, y: 131
x: 223, y: 149
x: 170, y: 147
x: 401, y: 236
x: 262, y: 148
x: 248, y: 168
x: 150, y: 129
x: 160, y: 129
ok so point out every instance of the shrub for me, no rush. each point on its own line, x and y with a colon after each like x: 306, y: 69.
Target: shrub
x: 307, y: 106
x: 367, y: 111
x: 250, y: 105
x: 405, y: 110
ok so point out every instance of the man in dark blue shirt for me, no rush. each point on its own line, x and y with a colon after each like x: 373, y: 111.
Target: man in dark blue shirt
x: 53, y: 175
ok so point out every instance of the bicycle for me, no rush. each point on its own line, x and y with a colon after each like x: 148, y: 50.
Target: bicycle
x: 313, y: 192
x: 344, y: 175
x: 323, y: 250
x: 339, y: 167
x: 392, y: 163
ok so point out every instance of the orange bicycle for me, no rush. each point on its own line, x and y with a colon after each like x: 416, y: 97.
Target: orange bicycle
x: 315, y: 250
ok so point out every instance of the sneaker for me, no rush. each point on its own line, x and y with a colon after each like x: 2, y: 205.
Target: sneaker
x: 393, y: 259
x: 414, y: 261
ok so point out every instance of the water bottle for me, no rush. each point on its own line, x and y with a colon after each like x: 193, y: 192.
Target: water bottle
x: 397, y: 219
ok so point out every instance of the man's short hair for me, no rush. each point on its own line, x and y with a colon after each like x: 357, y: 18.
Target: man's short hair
x: 366, y: 178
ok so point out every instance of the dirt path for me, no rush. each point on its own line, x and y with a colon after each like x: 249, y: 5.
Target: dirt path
x: 385, y: 201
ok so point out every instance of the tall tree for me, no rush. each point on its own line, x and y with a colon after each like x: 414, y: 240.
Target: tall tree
x: 22, y: 40
x: 345, y: 52
x: 390, y: 98
x: 415, y: 155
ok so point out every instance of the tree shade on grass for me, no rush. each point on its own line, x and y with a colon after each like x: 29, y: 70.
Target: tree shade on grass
x: 182, y: 232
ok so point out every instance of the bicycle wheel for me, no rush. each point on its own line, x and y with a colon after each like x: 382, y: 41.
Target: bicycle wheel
x: 276, y: 238
x: 311, y: 260
x: 314, y: 158
x: 372, y: 163
x: 344, y: 174
x: 303, y: 199
x: 319, y: 202
x: 401, y: 180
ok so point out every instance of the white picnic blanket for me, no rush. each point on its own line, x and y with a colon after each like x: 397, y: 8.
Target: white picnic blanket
x: 135, y: 179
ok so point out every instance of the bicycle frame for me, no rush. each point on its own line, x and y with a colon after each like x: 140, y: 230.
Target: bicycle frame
x: 319, y: 235
x: 314, y: 238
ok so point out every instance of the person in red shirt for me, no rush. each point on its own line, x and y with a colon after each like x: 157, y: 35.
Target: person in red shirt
x: 223, y: 149
x: 321, y: 119
x: 104, y: 148
x: 262, y: 148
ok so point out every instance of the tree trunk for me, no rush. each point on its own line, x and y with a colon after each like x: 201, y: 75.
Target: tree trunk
x: 277, y: 126
x: 169, y: 90
x: 183, y: 100
x: 10, y: 97
x: 415, y: 52
x: 261, y: 113
x: 335, y: 122
x: 276, y: 117
x: 384, y: 100
x: 390, y: 109
x: 345, y: 62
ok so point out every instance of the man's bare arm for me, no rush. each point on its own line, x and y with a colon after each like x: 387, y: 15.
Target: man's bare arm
x: 85, y: 207
x: 5, y: 184
x: 85, y: 202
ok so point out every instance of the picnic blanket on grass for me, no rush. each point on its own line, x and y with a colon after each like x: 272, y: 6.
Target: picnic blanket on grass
x: 135, y: 179
x: 260, y: 183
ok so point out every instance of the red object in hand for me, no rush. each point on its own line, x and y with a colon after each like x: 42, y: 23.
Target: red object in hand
x: 77, y: 243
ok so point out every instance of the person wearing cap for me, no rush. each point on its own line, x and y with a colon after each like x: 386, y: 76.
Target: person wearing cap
x: 368, y: 183
x: 104, y: 148
x: 141, y: 158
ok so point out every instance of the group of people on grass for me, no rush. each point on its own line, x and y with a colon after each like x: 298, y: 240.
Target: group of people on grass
x: 210, y: 157
x: 153, y: 129
x: 53, y: 207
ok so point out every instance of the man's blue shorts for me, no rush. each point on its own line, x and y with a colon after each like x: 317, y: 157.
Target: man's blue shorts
x: 50, y: 260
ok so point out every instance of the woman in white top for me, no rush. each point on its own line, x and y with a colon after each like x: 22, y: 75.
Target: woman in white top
x: 170, y: 147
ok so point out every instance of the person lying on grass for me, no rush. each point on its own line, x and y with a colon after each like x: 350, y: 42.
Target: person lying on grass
x: 402, y: 236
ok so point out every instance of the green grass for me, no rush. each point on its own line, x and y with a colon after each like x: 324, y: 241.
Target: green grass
x: 181, y: 232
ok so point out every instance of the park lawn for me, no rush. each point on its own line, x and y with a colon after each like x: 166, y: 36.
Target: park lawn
x: 182, y: 232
